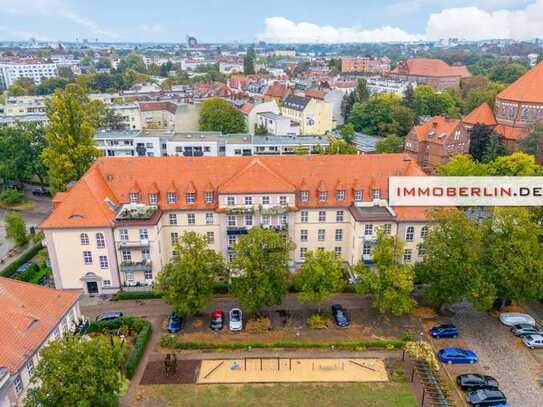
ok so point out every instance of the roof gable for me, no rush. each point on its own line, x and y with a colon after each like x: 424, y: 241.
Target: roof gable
x: 528, y: 88
x: 483, y: 114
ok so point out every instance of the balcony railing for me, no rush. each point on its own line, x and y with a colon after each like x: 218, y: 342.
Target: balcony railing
x: 128, y: 244
x: 132, y: 266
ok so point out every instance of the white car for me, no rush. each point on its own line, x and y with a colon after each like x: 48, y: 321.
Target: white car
x: 236, y: 319
x: 533, y: 341
x: 515, y: 318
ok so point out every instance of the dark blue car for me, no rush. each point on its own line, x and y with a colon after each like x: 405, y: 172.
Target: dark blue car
x: 457, y: 355
x: 444, y: 331
x: 175, y: 323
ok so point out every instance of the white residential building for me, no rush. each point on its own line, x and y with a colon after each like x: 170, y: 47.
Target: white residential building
x: 33, y: 69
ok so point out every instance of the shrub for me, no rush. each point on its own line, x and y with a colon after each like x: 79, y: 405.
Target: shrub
x: 11, y: 197
x: 136, y: 295
x: 9, y: 270
x: 317, y: 321
x: 29, y: 273
x: 137, y: 352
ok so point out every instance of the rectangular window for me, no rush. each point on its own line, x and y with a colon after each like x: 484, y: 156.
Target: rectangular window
x: 146, y: 253
x: 123, y: 234
x: 303, y: 251
x: 304, y: 215
x: 172, y: 197
x: 303, y: 235
x: 230, y: 200
x: 366, y: 249
x: 130, y: 276
x: 87, y: 257
x: 30, y: 367
x: 104, y: 264
x: 339, y: 216
x: 148, y: 274
x: 321, y: 235
x: 107, y: 283
x: 358, y: 196
x: 100, y: 241
x: 231, y: 220
x: 266, y: 219
x: 18, y: 384
x: 209, y: 218
x: 387, y: 228
x: 248, y: 200
x: 126, y: 255
x: 284, y: 219
x: 323, y: 196
x: 282, y: 200
x: 338, y: 250
x: 304, y: 196
x: 340, y: 195
x: 424, y: 232
x: 339, y: 235
x: 231, y: 241
x: 421, y: 250
x: 84, y: 238
x: 208, y: 197
x: 153, y: 199
x: 407, y: 254
x: 376, y: 193
x: 265, y: 200
x: 134, y: 197
x: 322, y: 216
x: 210, y: 237
x: 191, y: 218
x: 410, y: 234
x: 368, y: 229
x: 174, y: 237
x: 248, y: 220
x: 144, y: 234
x: 173, y: 218
x: 190, y: 197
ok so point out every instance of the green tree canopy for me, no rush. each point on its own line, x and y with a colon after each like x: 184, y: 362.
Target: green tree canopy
x: 132, y: 61
x: 507, y: 73
x: 217, y: 114
x: 249, y: 61
x: 15, y: 228
x: 186, y: 282
x: 347, y: 133
x: 391, y: 282
x: 390, y: 144
x: 76, y: 372
x: 260, y: 268
x: 320, y: 276
x: 462, y: 165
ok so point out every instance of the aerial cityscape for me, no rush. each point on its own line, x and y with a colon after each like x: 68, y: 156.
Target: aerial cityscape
x: 287, y: 204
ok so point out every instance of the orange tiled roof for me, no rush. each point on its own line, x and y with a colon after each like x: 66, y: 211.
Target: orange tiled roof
x: 528, y: 88
x: 246, y: 108
x: 315, y: 94
x: 512, y: 133
x: 481, y: 115
x: 438, y: 129
x: 111, y: 178
x: 29, y: 314
x: 430, y: 67
x: 277, y: 90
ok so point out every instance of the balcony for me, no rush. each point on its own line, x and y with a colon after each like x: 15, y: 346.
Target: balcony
x: 236, y: 230
x: 132, y: 266
x: 135, y: 212
x: 133, y: 244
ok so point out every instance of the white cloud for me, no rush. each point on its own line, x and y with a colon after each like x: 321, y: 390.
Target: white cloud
x: 153, y: 28
x: 280, y: 29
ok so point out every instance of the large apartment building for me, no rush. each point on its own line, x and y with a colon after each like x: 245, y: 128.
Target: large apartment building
x: 11, y: 70
x: 118, y: 225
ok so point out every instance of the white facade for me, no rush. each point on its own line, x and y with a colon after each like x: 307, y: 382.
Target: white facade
x: 277, y: 125
x: 10, y: 72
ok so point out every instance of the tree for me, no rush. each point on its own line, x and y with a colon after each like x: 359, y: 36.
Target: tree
x: 112, y: 120
x: 389, y: 144
x: 403, y: 118
x: 462, y: 165
x: 362, y: 92
x: 186, y: 282
x: 70, y: 133
x: 217, y: 114
x: 347, y: 133
x: 22, y: 86
x: 507, y: 73
x: 133, y: 62
x: 452, y: 265
x: 261, y: 130
x: 338, y: 146
x: 335, y: 65
x: 494, y: 149
x: 391, y: 282
x: 347, y: 104
x: 16, y: 228
x: 375, y: 116
x: 516, y: 164
x: 260, y: 268
x: 426, y: 102
x: 531, y: 143
x: 479, y: 140
x: 249, y: 61
x: 320, y: 276
x: 77, y: 372
x: 165, y: 69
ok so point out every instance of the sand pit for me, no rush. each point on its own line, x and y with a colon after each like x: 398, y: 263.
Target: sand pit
x: 284, y: 370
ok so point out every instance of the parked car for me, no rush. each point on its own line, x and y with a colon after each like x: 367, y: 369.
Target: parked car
x: 474, y: 381
x: 533, y: 341
x: 217, y: 320
x: 236, y: 320
x: 340, y: 316
x: 40, y: 191
x: 110, y: 315
x: 515, y: 318
x: 486, y: 397
x: 526, y: 329
x: 175, y: 323
x: 444, y: 331
x: 457, y: 355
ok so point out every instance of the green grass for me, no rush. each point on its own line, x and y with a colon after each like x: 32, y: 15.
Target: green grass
x: 281, y: 395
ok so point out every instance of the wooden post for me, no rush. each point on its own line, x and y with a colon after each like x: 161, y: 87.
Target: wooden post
x: 422, y: 402
x: 245, y: 364
x: 412, y: 374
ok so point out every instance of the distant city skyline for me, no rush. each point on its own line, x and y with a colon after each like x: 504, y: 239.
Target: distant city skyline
x: 282, y: 22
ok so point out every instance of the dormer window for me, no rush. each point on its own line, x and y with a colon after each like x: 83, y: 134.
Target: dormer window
x: 172, y: 197
x: 208, y: 197
x: 340, y: 195
x: 190, y: 197
x: 304, y: 196
x: 376, y: 194
x: 134, y: 197
x: 323, y: 196
x: 358, y: 196
x: 153, y: 199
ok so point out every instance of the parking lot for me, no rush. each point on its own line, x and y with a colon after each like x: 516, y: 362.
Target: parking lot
x: 501, y: 355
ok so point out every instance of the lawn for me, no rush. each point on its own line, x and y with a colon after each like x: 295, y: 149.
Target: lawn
x: 393, y: 394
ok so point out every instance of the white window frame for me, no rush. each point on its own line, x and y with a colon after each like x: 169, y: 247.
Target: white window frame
x: 209, y: 218
x: 104, y: 262
x: 368, y: 229
x: 191, y: 219
x: 322, y: 216
x: 190, y: 198
x: 87, y: 257
x: 172, y: 217
x: 321, y: 235
x: 100, y: 240
x: 340, y: 216
x: 410, y: 234
x: 323, y: 196
x: 123, y: 234
x: 304, y: 196
x: 84, y: 239
x: 171, y: 197
x: 153, y: 199
x: 340, y: 195
x: 304, y: 216
x: 339, y: 235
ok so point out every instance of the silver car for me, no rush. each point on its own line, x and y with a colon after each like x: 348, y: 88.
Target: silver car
x: 526, y: 329
x: 533, y: 341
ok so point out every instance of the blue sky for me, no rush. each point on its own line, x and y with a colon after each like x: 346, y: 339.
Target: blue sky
x: 280, y: 20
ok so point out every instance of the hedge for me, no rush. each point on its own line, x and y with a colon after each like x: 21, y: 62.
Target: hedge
x: 141, y: 326
x: 168, y: 341
x: 10, y: 269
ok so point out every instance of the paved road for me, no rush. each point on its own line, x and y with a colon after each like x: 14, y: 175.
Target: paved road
x: 501, y: 355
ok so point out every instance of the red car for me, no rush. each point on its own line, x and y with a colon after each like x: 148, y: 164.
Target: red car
x: 217, y: 320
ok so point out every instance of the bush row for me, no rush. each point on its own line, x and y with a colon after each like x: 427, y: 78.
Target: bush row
x: 169, y: 341
x: 141, y: 326
x: 9, y: 270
